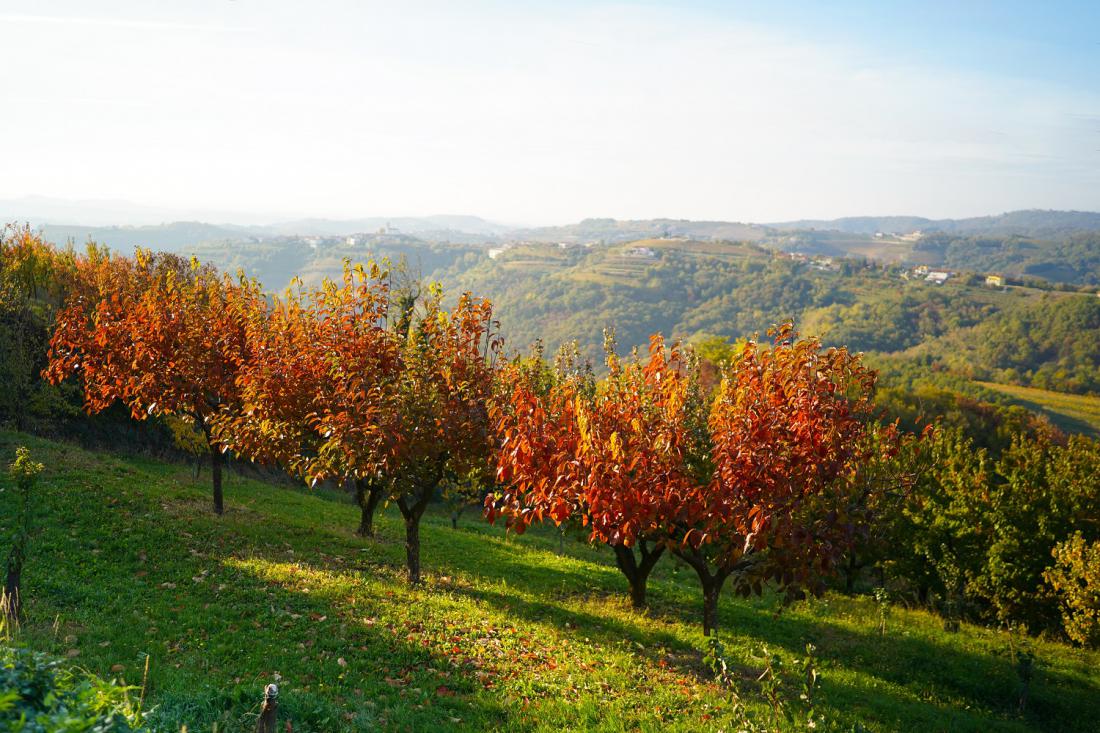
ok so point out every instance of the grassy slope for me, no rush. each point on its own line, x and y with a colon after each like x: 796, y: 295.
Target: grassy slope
x: 507, y: 634
x: 1071, y: 412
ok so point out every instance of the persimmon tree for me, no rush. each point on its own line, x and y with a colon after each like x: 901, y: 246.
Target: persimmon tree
x: 360, y: 381
x: 789, y: 432
x: 161, y: 334
x: 318, y: 390
x: 442, y: 394
x: 609, y: 454
x: 759, y: 482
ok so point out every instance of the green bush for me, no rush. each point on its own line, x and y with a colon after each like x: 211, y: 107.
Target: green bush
x: 38, y: 695
x: 1075, y: 578
x: 976, y: 535
x: 1045, y: 492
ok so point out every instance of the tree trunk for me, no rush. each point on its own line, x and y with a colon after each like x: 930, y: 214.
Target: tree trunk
x: 637, y: 592
x: 710, y: 607
x: 712, y: 586
x: 637, y: 573
x: 13, y: 598
x: 368, y: 495
x: 850, y: 574
x: 412, y: 548
x: 422, y: 490
x: 216, y: 460
x: 454, y: 520
x: 412, y: 512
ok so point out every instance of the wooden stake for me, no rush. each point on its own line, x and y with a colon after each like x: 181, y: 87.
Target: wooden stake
x: 266, y: 723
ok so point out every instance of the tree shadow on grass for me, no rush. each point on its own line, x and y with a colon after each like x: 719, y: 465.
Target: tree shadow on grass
x: 952, y: 689
x: 114, y: 578
x: 370, y: 675
x: 934, y: 670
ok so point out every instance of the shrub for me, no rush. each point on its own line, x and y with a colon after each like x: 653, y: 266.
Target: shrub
x: 1075, y: 578
x: 37, y: 695
x: 24, y: 472
x: 1046, y: 494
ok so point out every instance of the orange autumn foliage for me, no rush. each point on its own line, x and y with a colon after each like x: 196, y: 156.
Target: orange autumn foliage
x: 755, y: 483
x: 158, y: 333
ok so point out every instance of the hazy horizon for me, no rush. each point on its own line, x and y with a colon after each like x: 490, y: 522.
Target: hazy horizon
x: 123, y: 213
x: 552, y: 113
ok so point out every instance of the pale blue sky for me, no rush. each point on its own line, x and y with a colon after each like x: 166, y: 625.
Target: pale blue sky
x: 548, y: 112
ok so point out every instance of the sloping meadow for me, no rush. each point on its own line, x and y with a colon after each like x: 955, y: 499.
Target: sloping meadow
x: 507, y: 632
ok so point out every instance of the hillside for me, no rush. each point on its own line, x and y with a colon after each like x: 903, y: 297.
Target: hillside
x: 175, y: 236
x: 187, y: 236
x: 1061, y: 247
x: 610, y: 231
x: 1028, y: 222
x: 1070, y: 412
x: 700, y: 289
x: 507, y: 634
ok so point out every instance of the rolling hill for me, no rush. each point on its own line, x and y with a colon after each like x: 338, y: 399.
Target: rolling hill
x: 1028, y: 222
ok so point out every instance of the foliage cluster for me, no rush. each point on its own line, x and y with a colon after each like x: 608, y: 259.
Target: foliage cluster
x: 760, y: 480
x: 999, y: 536
x: 36, y: 280
x: 1075, y: 579
x: 39, y: 695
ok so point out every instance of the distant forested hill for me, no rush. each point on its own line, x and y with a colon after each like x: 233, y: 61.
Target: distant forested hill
x: 1072, y: 259
x: 275, y: 261
x: 696, y: 290
x: 171, y: 237
x: 610, y: 231
x: 1029, y: 222
x: 1060, y: 246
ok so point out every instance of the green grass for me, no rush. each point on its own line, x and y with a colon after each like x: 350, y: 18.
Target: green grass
x: 506, y: 633
x: 1071, y: 412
